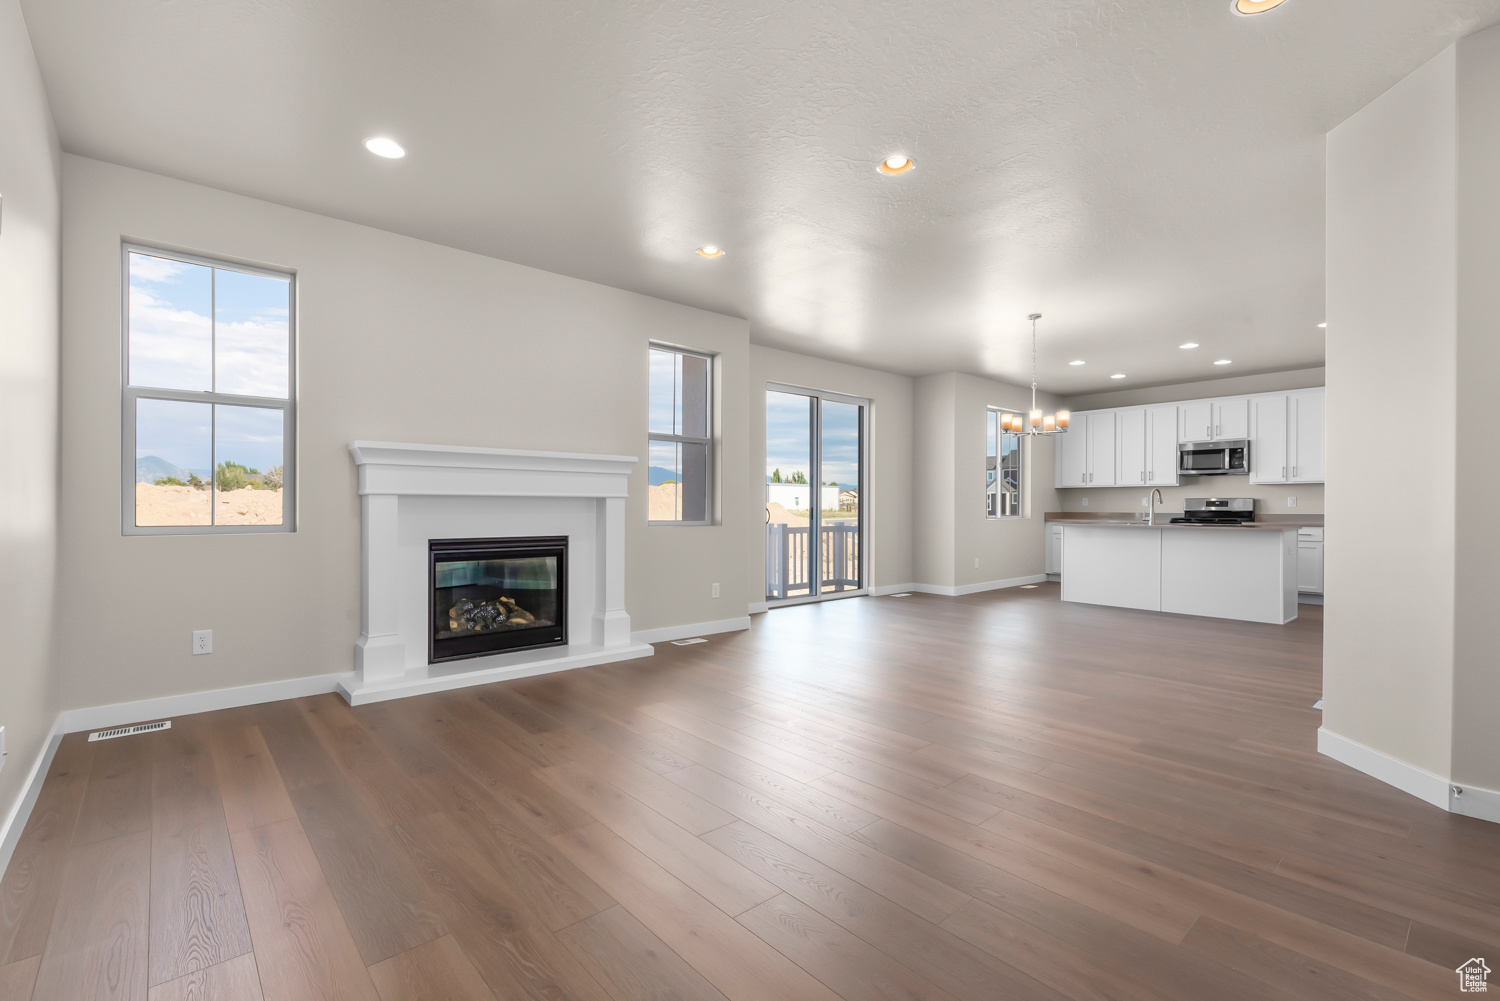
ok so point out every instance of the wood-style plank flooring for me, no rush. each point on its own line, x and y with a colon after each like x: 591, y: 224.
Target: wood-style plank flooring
x: 995, y: 796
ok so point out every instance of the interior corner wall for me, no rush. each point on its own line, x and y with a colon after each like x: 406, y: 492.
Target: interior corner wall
x: 29, y: 331
x: 889, y: 455
x: 1005, y: 548
x: 1476, y: 680
x: 934, y: 431
x: 1391, y: 281
x: 398, y: 340
x: 952, y: 529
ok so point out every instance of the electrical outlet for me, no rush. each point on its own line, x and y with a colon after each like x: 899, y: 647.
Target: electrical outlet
x: 976, y: 563
x: 1145, y: 502
x: 1291, y: 502
x: 716, y: 590
x: 1085, y: 502
x: 203, y: 641
x: 2, y: 747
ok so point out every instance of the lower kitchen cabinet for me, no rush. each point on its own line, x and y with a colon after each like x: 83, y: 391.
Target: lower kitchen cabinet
x: 1310, y: 561
x: 1054, y: 548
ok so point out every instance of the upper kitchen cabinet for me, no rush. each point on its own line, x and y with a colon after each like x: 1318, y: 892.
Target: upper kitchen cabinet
x: 1161, y: 446
x: 1103, y: 449
x: 1132, y: 437
x: 1195, y: 421
x: 1268, y: 440
x: 1231, y: 419
x: 1147, y: 439
x: 1305, y: 436
x: 1071, y: 455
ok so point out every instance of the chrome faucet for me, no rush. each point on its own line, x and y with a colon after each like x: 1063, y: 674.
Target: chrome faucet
x: 1154, y: 499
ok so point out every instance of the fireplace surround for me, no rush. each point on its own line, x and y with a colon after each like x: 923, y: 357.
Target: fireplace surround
x: 412, y: 495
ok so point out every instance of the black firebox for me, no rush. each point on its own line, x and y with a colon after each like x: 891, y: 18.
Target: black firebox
x: 497, y: 595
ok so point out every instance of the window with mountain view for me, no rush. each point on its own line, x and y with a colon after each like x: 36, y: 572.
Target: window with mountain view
x: 680, y: 433
x: 208, y: 396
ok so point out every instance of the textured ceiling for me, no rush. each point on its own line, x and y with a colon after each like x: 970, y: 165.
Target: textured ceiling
x: 1143, y: 172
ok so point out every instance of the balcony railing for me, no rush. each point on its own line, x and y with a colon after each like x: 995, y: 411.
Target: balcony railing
x: 787, y: 565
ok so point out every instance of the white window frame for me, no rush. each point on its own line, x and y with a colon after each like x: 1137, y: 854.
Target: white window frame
x: 710, y: 499
x: 130, y: 394
x: 1020, y: 450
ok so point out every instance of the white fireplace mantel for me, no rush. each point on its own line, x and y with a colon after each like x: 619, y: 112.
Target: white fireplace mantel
x: 410, y: 494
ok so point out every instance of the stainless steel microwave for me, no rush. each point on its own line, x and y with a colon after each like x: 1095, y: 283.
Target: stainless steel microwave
x: 1214, y: 458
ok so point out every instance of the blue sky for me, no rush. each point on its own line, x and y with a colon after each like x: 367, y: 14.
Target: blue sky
x: 788, y: 437
x: 172, y: 337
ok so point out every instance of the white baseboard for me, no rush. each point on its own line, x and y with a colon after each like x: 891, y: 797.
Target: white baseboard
x: 666, y: 633
x: 1407, y: 777
x: 884, y: 589
x: 963, y: 589
x: 100, y: 717
x: 15, y: 822
x: 1472, y: 801
x: 757, y: 607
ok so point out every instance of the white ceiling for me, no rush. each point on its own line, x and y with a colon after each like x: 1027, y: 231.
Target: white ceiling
x: 1143, y: 172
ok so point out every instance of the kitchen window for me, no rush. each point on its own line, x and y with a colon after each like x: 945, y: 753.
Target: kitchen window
x: 680, y: 437
x: 1002, y: 470
x: 208, y: 407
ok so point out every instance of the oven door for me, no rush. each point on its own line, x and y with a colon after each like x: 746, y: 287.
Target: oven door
x: 1196, y: 460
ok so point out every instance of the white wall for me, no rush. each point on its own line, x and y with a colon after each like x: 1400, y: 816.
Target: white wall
x: 29, y: 290
x: 1476, y: 681
x: 399, y: 340
x: 889, y: 505
x: 952, y: 527
x: 1388, y: 633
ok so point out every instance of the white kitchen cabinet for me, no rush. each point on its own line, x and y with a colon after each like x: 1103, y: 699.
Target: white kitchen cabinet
x: 1268, y: 442
x: 1133, y: 459
x: 1103, y: 450
x: 1071, y: 454
x: 1310, y: 561
x: 1195, y: 421
x: 1054, y: 548
x: 1232, y: 419
x: 1305, y: 420
x: 1161, y: 446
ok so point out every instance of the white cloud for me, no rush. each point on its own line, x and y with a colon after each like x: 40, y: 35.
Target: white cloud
x: 154, y: 269
x: 169, y: 348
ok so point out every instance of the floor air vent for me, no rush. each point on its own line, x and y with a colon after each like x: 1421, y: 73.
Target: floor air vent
x: 125, y: 731
x: 900, y: 594
x: 689, y: 642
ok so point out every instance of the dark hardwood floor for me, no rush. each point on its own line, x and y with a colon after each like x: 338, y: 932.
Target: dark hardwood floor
x: 995, y: 796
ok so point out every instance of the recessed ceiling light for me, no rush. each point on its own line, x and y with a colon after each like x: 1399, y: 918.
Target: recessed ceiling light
x: 1078, y: 362
x: 896, y: 165
x: 1255, y: 6
x: 1188, y: 346
x: 388, y: 148
x: 1223, y: 361
x: 710, y: 251
x: 1118, y: 375
x: 1324, y: 324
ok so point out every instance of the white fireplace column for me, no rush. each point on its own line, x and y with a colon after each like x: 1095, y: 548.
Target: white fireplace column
x: 410, y: 494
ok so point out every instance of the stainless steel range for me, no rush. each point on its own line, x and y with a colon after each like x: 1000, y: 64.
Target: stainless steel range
x: 1217, y: 511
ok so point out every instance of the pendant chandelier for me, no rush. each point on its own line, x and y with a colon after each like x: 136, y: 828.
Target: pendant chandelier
x: 1035, y: 423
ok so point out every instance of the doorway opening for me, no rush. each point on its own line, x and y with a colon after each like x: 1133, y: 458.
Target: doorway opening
x: 815, y: 494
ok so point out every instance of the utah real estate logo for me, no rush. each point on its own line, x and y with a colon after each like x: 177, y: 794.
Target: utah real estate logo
x: 1472, y: 976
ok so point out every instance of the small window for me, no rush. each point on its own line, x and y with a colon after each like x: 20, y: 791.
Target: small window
x: 680, y: 433
x: 1002, y: 471
x: 209, y: 415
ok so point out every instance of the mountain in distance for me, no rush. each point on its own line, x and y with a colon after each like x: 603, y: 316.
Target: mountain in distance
x: 657, y: 475
x: 150, y: 468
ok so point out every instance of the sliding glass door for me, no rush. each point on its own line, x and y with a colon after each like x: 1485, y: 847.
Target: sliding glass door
x: 815, y: 475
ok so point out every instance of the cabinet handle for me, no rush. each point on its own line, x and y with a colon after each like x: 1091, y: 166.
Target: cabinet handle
x: 1218, y: 429
x: 1294, y: 472
x: 1283, y: 472
x: 1083, y: 477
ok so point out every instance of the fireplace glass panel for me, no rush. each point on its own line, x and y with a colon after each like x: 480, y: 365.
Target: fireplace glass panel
x: 494, y: 595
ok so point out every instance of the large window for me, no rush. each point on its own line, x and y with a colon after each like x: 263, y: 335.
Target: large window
x: 208, y: 412
x: 681, y: 437
x: 1002, y: 471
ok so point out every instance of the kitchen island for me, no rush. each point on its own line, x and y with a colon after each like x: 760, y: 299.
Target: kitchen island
x: 1246, y: 572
